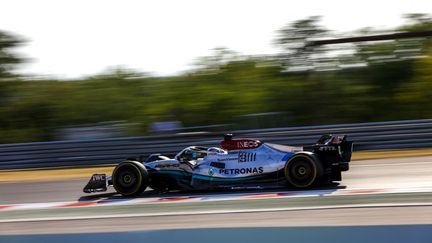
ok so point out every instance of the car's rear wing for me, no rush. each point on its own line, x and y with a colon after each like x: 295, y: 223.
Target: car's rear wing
x: 333, y: 148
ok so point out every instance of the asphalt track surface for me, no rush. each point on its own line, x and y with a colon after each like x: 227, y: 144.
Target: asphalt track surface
x: 383, y: 173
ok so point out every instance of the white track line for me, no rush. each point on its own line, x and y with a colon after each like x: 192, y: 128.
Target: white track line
x: 226, y: 211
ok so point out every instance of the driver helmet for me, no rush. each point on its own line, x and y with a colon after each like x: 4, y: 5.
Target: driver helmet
x: 189, y: 155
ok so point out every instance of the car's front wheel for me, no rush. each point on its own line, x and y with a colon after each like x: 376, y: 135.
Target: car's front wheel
x: 130, y: 178
x: 303, y: 170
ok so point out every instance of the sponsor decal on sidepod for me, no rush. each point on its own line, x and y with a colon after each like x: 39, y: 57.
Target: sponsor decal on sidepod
x: 242, y: 171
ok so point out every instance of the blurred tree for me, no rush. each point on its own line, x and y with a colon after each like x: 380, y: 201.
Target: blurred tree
x: 293, y: 40
x: 417, y: 22
x: 212, y: 62
x: 8, y: 59
x: 398, y: 49
x: 8, y: 83
x: 390, y: 65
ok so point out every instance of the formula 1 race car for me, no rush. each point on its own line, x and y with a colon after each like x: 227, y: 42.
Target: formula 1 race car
x: 239, y: 163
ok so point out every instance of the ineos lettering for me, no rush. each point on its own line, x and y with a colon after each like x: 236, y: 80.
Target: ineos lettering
x: 247, y: 144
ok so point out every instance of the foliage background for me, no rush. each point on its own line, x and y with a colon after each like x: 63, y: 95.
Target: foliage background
x: 362, y: 82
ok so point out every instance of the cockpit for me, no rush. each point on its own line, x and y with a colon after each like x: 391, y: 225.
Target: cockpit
x: 196, y: 153
x: 191, y: 153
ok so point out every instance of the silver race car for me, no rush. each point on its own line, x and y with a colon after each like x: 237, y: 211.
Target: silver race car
x: 237, y: 164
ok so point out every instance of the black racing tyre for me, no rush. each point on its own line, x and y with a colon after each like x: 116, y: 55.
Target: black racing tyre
x: 130, y: 178
x: 303, y: 170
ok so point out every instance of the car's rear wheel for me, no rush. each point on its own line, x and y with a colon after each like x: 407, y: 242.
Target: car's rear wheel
x: 130, y: 178
x: 303, y: 170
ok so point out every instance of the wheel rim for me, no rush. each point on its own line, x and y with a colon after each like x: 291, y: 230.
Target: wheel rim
x: 127, y: 179
x: 301, y: 170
